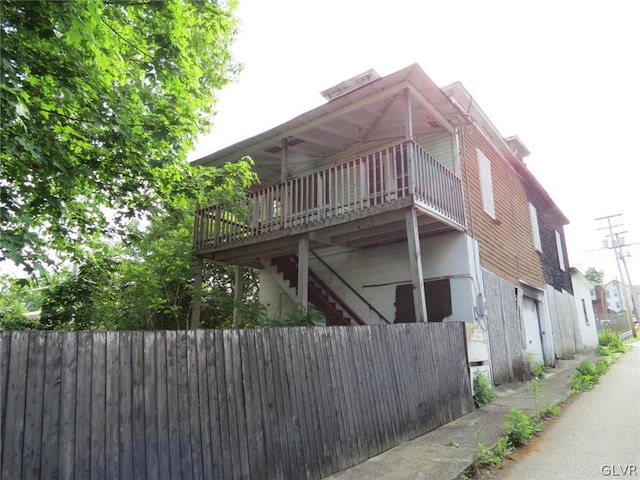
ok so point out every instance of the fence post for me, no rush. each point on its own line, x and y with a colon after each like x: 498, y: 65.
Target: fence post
x: 197, y: 291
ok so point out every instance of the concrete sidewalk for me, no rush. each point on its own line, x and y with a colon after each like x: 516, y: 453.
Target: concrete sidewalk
x: 430, y: 457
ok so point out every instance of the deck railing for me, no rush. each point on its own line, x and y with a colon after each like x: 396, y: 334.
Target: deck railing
x: 378, y: 178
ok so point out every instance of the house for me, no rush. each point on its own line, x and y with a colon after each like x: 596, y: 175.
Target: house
x: 583, y: 291
x: 610, y: 304
x: 399, y: 201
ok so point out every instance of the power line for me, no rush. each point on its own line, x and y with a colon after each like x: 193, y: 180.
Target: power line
x: 616, y: 245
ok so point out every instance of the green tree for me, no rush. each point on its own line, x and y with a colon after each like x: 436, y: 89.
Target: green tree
x: 19, y: 297
x: 100, y: 101
x: 594, y: 275
x: 146, y: 281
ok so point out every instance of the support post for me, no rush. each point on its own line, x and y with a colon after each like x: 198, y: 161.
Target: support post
x: 415, y: 265
x: 303, y: 271
x: 284, y: 168
x: 197, y: 292
x: 238, y: 290
x: 408, y: 123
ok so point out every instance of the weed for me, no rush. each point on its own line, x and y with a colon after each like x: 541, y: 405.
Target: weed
x: 587, y: 375
x: 519, y: 428
x: 601, y: 367
x: 483, y: 390
x: 605, y: 337
x: 603, y: 351
x: 551, y: 410
x: 587, y: 368
x: 534, y: 386
x: 482, y: 456
x: 609, y: 339
x: 582, y: 383
x: 504, y: 448
x: 452, y: 443
x: 538, y: 369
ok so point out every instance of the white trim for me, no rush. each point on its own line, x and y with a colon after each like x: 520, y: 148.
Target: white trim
x: 486, y: 183
x: 535, y: 229
x: 560, y: 254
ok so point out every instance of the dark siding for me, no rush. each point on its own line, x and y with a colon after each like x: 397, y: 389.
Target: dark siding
x: 548, y: 224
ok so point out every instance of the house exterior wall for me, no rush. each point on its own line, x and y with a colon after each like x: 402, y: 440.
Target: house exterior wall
x: 563, y: 318
x: 582, y: 287
x: 548, y: 225
x: 376, y: 272
x: 509, y: 360
x: 506, y: 242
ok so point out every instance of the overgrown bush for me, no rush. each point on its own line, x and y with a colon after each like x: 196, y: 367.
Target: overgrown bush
x: 298, y: 318
x: 587, y: 375
x: 610, y: 340
x: 519, y: 427
x: 483, y: 390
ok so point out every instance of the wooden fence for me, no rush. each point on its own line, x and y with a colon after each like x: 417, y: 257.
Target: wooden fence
x: 287, y: 403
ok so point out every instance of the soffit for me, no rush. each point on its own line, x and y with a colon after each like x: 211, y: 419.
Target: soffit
x: 370, y: 115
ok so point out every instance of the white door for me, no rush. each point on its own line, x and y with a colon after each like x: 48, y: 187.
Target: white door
x: 532, y: 329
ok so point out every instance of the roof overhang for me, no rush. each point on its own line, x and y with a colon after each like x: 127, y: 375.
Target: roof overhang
x: 366, y: 117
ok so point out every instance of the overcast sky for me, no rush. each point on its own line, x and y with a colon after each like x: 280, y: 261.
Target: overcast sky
x: 562, y: 75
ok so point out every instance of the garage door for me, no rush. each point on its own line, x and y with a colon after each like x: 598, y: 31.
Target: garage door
x: 532, y: 329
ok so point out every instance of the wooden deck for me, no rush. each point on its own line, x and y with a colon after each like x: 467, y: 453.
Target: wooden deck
x: 394, y: 178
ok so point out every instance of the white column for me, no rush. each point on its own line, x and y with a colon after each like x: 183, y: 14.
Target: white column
x: 415, y: 265
x: 303, y: 271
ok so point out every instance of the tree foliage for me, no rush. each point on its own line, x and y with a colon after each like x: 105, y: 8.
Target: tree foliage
x: 594, y: 275
x: 100, y: 101
x: 145, y: 281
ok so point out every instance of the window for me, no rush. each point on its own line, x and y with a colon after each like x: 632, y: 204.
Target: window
x: 486, y: 184
x: 438, y: 298
x: 584, y: 310
x: 533, y: 214
x: 560, y: 254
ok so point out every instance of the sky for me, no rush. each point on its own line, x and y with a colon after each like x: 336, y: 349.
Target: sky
x: 562, y: 75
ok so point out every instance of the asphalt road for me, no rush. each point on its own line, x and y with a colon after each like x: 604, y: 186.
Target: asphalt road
x: 597, y: 436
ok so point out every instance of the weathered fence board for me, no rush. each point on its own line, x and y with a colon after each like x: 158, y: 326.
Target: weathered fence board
x: 289, y: 403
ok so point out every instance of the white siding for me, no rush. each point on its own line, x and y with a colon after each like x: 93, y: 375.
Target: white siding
x: 440, y: 146
x: 376, y: 272
x: 588, y: 340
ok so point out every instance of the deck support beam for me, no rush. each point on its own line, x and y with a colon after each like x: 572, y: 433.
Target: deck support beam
x: 303, y: 271
x: 197, y: 293
x: 415, y: 265
x: 238, y: 290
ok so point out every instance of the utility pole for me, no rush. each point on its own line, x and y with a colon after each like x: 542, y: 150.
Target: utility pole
x: 617, y: 248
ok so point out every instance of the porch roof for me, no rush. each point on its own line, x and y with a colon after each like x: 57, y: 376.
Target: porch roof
x: 368, y: 116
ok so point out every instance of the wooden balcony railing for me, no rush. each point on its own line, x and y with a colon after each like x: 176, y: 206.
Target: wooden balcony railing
x: 378, y: 178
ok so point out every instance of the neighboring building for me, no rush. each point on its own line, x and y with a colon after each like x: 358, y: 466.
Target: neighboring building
x: 615, y: 295
x: 584, y: 290
x: 398, y: 201
x: 599, y: 302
